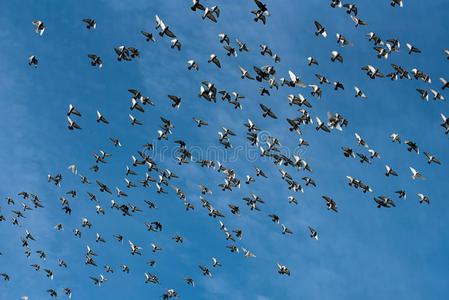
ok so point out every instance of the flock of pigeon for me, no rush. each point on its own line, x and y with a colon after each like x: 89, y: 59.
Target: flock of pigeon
x: 145, y: 172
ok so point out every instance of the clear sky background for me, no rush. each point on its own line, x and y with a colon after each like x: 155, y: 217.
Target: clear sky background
x: 363, y: 252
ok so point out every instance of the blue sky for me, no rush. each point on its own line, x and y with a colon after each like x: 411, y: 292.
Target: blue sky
x: 363, y: 252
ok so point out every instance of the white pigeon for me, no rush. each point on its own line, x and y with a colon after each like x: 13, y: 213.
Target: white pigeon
x: 73, y: 169
x: 416, y: 174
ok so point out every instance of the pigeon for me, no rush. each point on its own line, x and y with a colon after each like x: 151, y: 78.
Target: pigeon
x: 283, y: 270
x: 395, y: 138
x: 33, y: 61
x: 336, y: 4
x: 72, y: 124
x: 90, y: 23
x: 336, y: 56
x: 350, y: 8
x: 196, y: 5
x: 211, y: 13
x: 134, y: 121
x: 245, y: 74
x: 320, y: 30
x: 214, y: 59
x: 383, y: 201
x: 313, y: 233
x: 445, y: 123
x: 176, y: 101
x: 199, y: 122
x: 390, y: 171
x: 436, y: 95
x: 164, y: 29
x: 424, y: 94
x: 341, y: 39
x: 416, y: 174
x: 295, y: 81
x: 321, y: 125
x: 224, y: 38
x: 192, y: 65
x: 358, y: 22
x: 395, y: 3
x: 431, y: 158
x: 148, y: 36
x: 101, y: 118
x: 423, y: 198
x: 242, y: 46
x: 312, y: 61
x: 359, y: 93
x: 401, y: 194
x: 95, y: 61
x: 39, y: 26
x: 412, y: 49
x: 445, y: 83
x: 360, y: 140
x: 175, y: 43
x: 412, y: 146
x: 330, y: 203
x: 248, y: 253
x: 73, y: 111
x: 267, y: 112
